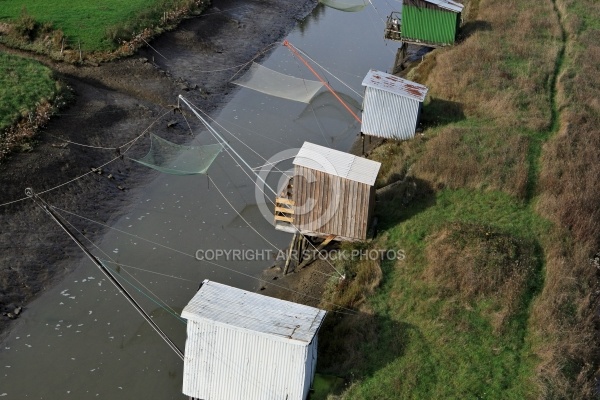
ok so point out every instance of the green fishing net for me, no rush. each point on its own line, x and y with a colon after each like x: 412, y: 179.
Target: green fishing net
x: 175, y: 159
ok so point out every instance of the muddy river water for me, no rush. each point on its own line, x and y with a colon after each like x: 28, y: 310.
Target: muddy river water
x: 81, y: 339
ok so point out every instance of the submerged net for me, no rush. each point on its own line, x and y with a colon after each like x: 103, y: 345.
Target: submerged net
x: 265, y: 80
x: 345, y: 5
x: 175, y: 159
x: 327, y: 104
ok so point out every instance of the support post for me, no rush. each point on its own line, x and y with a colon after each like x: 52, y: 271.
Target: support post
x: 288, y: 259
x: 362, y: 139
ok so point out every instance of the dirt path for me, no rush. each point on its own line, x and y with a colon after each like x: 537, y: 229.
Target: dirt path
x: 115, y: 102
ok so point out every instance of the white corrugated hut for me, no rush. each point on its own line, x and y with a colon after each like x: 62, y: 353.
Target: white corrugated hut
x: 331, y: 194
x: 391, y: 106
x: 243, y: 345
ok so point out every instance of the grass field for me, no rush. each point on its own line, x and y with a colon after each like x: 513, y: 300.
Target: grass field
x: 496, y: 296
x: 97, y: 26
x: 74, y: 32
x: 26, y: 86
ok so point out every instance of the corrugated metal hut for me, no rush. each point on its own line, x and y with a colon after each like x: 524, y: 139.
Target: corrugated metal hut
x: 391, y: 106
x: 330, y: 195
x: 243, y: 345
x: 430, y: 22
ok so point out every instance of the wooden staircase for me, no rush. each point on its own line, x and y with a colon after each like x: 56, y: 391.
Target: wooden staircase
x: 284, y: 210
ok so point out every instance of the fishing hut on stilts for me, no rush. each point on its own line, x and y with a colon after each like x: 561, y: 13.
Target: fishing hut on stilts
x: 331, y: 196
x: 431, y: 23
x: 243, y: 345
x: 391, y: 106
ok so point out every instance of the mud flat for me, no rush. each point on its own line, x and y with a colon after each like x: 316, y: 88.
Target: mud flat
x: 113, y: 104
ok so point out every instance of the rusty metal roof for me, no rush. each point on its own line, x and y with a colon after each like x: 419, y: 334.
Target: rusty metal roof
x: 393, y: 84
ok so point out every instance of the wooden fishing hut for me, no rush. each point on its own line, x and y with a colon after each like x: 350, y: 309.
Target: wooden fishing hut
x: 243, y: 345
x: 432, y: 23
x: 331, y: 195
x: 391, y: 106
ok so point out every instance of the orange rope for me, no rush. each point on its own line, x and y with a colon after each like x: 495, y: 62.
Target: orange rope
x: 295, y: 52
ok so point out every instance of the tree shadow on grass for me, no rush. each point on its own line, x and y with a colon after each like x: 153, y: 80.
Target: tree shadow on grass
x: 470, y: 27
x: 401, y: 200
x: 356, y: 345
x: 441, y: 112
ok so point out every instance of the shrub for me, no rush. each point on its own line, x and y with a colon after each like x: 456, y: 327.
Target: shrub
x: 474, y: 262
x: 26, y: 25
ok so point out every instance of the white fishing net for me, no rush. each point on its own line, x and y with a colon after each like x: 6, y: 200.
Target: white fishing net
x: 346, y: 5
x: 265, y: 80
x: 175, y: 159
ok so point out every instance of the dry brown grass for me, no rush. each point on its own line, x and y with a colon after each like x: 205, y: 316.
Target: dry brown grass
x: 566, y: 314
x: 480, y: 158
x: 571, y: 160
x: 362, y: 278
x: 564, y: 318
x: 472, y: 262
x: 396, y: 160
x: 500, y: 75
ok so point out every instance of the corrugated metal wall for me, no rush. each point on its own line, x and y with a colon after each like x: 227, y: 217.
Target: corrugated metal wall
x: 388, y: 115
x: 224, y: 363
x: 429, y: 25
x: 330, y: 205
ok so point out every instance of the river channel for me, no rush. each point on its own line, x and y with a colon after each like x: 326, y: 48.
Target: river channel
x: 81, y: 339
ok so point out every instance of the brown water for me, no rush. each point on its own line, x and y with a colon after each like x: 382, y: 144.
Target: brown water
x: 81, y: 339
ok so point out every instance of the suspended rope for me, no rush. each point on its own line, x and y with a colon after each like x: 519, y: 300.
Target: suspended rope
x: 148, y: 271
x: 345, y: 5
x: 238, y: 157
x: 265, y: 80
x: 329, y: 101
x: 240, y: 215
x: 161, y: 303
x: 297, y: 54
x: 168, y: 310
x: 105, y: 271
x: 348, y: 310
x: 175, y: 159
x: 128, y: 145
x: 330, y: 73
x: 230, y: 150
x: 236, y: 137
x: 157, y: 52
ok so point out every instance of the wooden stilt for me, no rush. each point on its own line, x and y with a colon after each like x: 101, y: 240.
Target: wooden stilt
x: 308, y: 260
x: 400, y: 57
x: 289, y: 256
x: 362, y: 139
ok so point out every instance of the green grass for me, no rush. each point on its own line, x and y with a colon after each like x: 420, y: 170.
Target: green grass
x: 90, y: 22
x: 23, y: 85
x: 480, y: 167
x: 449, y: 348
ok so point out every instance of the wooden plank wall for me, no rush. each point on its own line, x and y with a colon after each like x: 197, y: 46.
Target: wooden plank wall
x: 331, y: 205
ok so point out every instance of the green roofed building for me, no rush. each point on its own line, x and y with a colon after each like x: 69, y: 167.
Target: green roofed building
x: 432, y: 23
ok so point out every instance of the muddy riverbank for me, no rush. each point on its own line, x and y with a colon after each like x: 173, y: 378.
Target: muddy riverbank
x: 113, y: 104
